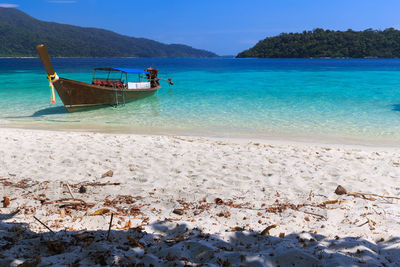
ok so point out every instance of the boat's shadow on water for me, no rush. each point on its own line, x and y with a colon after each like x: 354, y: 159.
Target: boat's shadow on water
x: 49, y: 111
x: 153, y: 104
x: 52, y: 111
x: 42, y: 112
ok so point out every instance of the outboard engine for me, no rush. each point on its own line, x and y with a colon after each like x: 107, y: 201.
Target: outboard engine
x: 152, y: 76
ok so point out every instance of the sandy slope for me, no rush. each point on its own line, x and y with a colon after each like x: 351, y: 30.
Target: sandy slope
x: 224, y: 193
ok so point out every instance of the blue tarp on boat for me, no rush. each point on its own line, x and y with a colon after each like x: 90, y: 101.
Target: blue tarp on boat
x: 127, y: 70
x: 131, y: 70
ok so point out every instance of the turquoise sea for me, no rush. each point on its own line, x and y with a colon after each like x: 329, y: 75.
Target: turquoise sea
x: 355, y: 100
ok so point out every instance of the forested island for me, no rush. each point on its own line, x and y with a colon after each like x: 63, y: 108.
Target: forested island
x: 19, y: 34
x: 320, y: 43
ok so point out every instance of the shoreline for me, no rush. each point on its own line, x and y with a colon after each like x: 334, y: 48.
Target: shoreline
x: 280, y: 138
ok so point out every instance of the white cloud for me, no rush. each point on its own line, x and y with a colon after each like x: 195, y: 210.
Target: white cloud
x: 7, y: 5
x: 62, y: 1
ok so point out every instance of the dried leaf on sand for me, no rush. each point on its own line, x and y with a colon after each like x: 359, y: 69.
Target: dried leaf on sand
x: 99, y: 212
x: 128, y: 225
x: 109, y: 173
x: 6, y: 202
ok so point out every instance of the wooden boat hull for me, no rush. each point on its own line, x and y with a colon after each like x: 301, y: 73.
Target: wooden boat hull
x: 77, y: 95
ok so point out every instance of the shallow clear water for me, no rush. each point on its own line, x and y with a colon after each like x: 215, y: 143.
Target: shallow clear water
x: 304, y: 98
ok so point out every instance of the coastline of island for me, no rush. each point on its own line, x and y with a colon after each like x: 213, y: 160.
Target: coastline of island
x: 320, y: 43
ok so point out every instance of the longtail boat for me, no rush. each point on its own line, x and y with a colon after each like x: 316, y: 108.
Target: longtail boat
x: 111, y: 90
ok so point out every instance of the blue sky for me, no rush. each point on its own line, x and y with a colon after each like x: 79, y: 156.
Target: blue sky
x: 225, y: 27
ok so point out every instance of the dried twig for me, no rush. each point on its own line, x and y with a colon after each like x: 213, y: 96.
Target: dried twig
x: 43, y: 224
x: 358, y: 194
x: 74, y: 202
x: 70, y: 192
x: 109, y: 228
x: 314, y: 214
x: 309, y: 195
x: 94, y: 184
x: 370, y: 222
x: 100, y: 184
x: 363, y: 224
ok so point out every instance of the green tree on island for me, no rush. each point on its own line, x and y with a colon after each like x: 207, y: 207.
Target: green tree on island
x: 320, y: 43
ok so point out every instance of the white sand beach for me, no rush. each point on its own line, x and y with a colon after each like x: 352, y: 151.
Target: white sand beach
x: 195, y: 200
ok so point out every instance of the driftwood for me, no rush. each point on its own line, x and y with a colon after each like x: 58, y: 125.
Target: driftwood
x: 43, y: 224
x: 94, y: 184
x: 74, y: 202
x: 101, y: 184
x: 358, y: 194
x: 70, y: 192
x: 109, y: 228
x: 340, y: 190
x: 314, y: 214
x: 370, y: 222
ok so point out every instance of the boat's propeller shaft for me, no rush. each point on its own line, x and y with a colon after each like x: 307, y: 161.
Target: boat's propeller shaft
x: 169, y: 80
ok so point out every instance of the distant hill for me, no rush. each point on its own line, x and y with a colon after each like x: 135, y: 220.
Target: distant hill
x: 19, y: 34
x: 321, y: 43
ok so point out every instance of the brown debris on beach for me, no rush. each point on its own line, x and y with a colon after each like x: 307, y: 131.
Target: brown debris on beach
x: 211, y: 201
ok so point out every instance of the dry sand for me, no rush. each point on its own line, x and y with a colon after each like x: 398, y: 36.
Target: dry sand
x: 191, y: 200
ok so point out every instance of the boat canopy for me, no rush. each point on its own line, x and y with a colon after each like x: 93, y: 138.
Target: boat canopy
x: 126, y: 70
